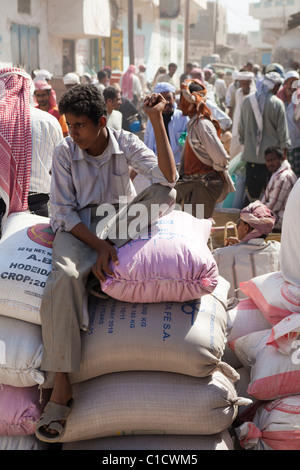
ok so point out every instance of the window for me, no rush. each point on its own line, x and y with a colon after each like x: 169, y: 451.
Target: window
x: 24, y: 6
x: 169, y: 8
x: 139, y: 21
x: 165, y: 41
x: 180, y: 41
x: 24, y: 45
x: 68, y: 56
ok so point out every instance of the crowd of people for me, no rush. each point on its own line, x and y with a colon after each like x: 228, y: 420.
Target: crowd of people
x: 255, y: 113
x: 172, y: 141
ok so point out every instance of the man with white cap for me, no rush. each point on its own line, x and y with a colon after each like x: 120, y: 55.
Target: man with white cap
x: 42, y: 74
x: 246, y: 86
x: 71, y: 79
x: 291, y: 80
x: 262, y: 124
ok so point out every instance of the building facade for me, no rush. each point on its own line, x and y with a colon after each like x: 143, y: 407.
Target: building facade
x: 84, y: 35
x: 51, y: 34
x: 277, y: 29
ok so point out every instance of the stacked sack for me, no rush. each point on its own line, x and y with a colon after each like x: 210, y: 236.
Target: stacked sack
x: 152, y: 375
x: 264, y: 332
x: 147, y: 368
x: 25, y: 261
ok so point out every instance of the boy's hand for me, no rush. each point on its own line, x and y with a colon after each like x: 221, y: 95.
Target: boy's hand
x: 106, y: 254
x: 154, y: 103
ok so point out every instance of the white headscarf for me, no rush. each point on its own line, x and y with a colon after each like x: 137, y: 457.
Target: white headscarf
x: 270, y: 80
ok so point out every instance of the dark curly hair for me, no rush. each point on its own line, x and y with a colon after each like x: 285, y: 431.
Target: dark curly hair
x: 279, y: 152
x: 84, y: 99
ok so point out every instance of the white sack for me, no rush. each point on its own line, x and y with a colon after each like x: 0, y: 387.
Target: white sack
x: 275, y: 426
x: 273, y: 374
x: 245, y: 318
x: 274, y: 297
x: 290, y: 253
x: 22, y: 443
x: 21, y: 350
x: 25, y: 263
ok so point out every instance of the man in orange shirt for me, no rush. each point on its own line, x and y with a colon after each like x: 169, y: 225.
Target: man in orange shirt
x: 204, y: 179
x: 46, y: 101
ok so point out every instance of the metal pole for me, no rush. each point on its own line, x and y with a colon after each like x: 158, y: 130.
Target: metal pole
x: 131, y: 32
x: 216, y: 25
x: 284, y: 17
x: 187, y: 32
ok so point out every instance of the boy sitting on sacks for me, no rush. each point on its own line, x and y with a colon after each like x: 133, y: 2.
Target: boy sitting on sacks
x: 249, y: 255
x: 90, y: 169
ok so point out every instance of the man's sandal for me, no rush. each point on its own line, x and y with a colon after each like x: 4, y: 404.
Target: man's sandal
x: 51, y: 417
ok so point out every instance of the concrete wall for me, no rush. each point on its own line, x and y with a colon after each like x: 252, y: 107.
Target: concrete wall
x: 50, y: 48
x: 81, y: 18
x: 56, y: 20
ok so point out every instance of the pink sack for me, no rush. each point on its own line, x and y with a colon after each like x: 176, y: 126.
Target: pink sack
x: 173, y: 264
x: 274, y: 297
x: 20, y: 409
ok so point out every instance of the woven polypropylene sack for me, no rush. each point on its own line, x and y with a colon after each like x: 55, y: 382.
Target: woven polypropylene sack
x: 25, y: 263
x: 273, y: 374
x: 21, y: 349
x: 151, y: 403
x: 245, y: 318
x: 275, y: 297
x: 186, y: 338
x: 173, y: 264
x: 22, y: 443
x: 275, y: 426
x: 220, y: 441
x: 20, y: 409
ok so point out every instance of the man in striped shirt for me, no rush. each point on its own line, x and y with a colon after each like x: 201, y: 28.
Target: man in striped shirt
x: 280, y: 184
x: 46, y: 133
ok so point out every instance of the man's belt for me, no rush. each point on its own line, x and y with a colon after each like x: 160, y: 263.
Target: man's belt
x: 36, y: 198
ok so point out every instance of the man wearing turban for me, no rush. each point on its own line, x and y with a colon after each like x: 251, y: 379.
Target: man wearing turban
x: 46, y: 101
x: 27, y: 139
x: 290, y: 94
x: 246, y: 86
x: 255, y: 221
x: 204, y: 179
x: 262, y: 124
x: 131, y: 86
x: 249, y: 254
